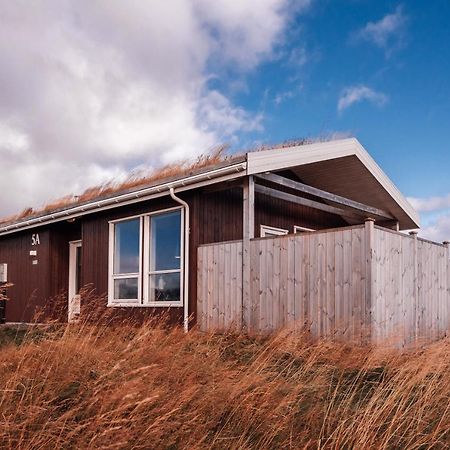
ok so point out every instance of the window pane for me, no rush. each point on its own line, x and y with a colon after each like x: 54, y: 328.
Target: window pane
x: 165, y: 242
x: 165, y: 287
x: 126, y: 245
x: 126, y: 289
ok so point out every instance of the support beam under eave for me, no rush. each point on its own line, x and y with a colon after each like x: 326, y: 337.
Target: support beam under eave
x: 357, y: 207
x: 248, y: 229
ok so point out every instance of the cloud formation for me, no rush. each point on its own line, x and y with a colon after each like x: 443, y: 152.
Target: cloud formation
x: 93, y: 89
x: 436, y: 212
x: 429, y: 204
x: 388, y: 33
x: 437, y: 229
x: 356, y: 94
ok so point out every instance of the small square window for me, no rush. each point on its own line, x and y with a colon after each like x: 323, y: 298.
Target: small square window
x: 165, y: 287
x: 126, y: 289
x: 267, y: 231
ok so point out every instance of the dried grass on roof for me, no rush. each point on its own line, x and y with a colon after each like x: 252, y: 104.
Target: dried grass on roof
x: 134, y: 181
x: 185, y: 167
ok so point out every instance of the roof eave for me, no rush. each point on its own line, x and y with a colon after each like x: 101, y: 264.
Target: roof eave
x: 217, y: 175
x: 276, y: 159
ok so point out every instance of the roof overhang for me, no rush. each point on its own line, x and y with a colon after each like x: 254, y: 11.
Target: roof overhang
x: 342, y: 167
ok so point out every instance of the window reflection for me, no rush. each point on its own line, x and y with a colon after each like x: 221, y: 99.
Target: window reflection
x: 165, y: 287
x: 126, y: 246
x: 165, y: 241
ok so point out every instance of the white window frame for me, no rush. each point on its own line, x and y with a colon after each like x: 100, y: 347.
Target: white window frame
x: 299, y: 229
x: 144, y: 263
x: 112, y: 277
x: 74, y: 299
x: 266, y: 231
x: 148, y: 272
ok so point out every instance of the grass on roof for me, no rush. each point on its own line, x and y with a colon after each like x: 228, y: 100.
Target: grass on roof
x: 134, y: 181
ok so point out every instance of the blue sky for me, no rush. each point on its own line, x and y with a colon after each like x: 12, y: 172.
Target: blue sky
x: 395, y: 56
x: 409, y: 132
x: 91, y: 91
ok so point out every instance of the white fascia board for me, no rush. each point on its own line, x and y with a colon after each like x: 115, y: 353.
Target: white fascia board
x: 298, y: 155
x: 364, y: 156
x: 283, y: 158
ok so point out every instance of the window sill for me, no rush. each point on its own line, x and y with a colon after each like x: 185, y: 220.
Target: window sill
x: 147, y: 305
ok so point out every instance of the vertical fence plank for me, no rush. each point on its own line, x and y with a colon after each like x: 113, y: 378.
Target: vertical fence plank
x: 284, y: 275
x: 339, y: 283
x: 330, y: 285
x: 200, y: 284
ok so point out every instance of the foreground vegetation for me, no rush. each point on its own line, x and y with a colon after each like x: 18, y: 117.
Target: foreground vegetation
x: 98, y: 386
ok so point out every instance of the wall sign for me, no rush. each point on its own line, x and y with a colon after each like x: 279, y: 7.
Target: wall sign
x: 35, y: 239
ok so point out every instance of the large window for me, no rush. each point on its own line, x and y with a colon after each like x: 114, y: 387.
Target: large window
x: 146, y: 260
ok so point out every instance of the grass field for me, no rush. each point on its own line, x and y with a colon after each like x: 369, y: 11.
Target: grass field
x: 96, y: 386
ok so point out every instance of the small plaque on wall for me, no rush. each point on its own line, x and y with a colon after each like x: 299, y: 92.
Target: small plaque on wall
x: 35, y: 261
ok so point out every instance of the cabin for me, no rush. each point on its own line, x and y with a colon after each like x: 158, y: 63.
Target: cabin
x: 308, y: 233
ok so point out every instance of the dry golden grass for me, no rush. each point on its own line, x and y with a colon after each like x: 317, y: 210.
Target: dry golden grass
x: 150, y: 386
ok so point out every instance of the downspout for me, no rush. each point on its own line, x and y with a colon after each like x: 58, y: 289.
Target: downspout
x: 185, y: 258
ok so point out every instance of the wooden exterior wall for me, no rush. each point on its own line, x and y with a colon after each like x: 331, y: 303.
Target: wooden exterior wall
x: 37, y: 286
x: 361, y: 283
x: 216, y: 216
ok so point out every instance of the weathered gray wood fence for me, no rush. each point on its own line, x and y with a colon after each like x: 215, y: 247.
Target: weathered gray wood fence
x: 361, y: 283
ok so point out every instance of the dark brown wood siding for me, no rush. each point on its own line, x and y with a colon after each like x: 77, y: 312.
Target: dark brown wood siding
x: 35, y: 285
x: 94, y: 259
x: 31, y: 282
x: 216, y: 216
x: 280, y: 214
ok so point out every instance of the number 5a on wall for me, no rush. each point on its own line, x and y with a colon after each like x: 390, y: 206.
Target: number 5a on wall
x: 35, y: 239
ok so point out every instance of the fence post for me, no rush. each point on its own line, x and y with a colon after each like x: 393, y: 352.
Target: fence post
x: 248, y: 229
x: 367, y: 319
x: 446, y: 244
x: 416, y: 312
x: 446, y: 314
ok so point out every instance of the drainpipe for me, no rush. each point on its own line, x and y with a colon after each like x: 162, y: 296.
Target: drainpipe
x: 185, y: 258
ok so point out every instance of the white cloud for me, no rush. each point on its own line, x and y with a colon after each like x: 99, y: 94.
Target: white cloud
x: 93, y: 89
x: 298, y: 57
x: 281, y: 97
x: 387, y: 33
x: 356, y: 94
x: 13, y: 139
x: 430, y: 203
x: 435, y: 212
x: 437, y: 229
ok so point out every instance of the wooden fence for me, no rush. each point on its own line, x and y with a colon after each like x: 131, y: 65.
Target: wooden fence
x: 410, y: 288
x: 355, y: 283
